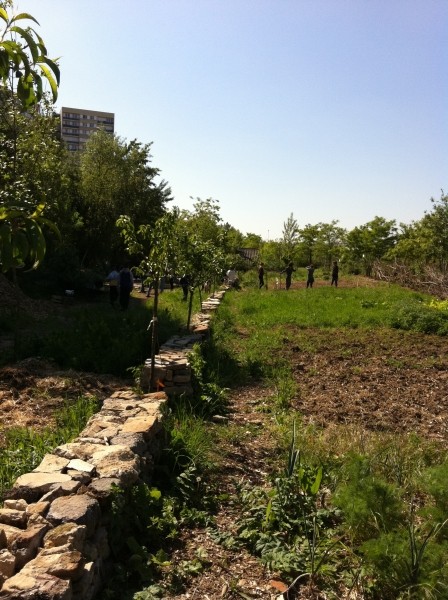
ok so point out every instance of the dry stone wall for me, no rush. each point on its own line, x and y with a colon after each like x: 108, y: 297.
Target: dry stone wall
x: 53, y: 525
x: 172, y: 370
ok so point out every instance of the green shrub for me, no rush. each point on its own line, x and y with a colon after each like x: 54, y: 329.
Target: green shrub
x: 433, y: 481
x: 417, y: 316
x: 369, y: 504
x: 208, y: 397
x: 407, y: 564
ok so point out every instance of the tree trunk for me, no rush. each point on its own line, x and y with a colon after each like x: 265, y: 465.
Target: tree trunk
x: 154, y: 335
x: 190, y: 307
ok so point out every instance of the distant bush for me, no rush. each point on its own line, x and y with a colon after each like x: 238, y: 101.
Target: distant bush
x: 413, y: 315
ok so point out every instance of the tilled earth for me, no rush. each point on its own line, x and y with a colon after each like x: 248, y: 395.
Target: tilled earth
x: 385, y: 381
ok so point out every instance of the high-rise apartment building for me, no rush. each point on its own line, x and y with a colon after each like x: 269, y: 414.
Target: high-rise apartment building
x: 77, y: 124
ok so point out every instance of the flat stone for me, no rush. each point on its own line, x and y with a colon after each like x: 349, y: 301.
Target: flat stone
x: 36, y: 587
x: 119, y: 462
x: 134, y: 441
x: 81, y: 476
x: 25, y: 543
x: 101, y: 488
x: 81, y: 465
x: 125, y: 395
x: 77, y: 450
x: 61, y: 489
x: 10, y: 516
x: 51, y: 464
x: 69, y: 535
x: 7, y: 564
x: 41, y: 482
x: 80, y: 509
x: 117, y: 405
x: 139, y: 424
x: 17, y: 504
x: 97, y: 428
x: 66, y: 565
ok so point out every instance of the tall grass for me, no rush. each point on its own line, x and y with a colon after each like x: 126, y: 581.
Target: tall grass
x: 321, y: 307
x: 24, y: 447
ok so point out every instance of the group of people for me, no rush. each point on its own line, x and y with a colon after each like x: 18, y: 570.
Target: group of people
x: 121, y: 284
x: 289, y: 270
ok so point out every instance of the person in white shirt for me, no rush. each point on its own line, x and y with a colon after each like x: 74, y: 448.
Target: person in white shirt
x: 113, y: 278
x: 232, y: 277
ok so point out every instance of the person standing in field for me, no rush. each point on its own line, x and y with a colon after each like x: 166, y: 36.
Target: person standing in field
x: 126, y: 286
x: 184, y: 282
x: 335, y: 274
x: 289, y: 270
x: 113, y: 278
x: 261, y: 276
x: 310, y: 278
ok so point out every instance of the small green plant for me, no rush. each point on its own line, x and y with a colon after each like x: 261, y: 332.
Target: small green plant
x: 285, y: 387
x: 208, y: 397
x: 287, y: 525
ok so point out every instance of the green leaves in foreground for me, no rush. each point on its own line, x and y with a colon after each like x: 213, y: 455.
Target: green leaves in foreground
x: 22, y: 242
x: 23, y: 55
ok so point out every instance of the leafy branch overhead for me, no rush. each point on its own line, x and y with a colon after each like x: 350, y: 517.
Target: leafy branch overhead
x: 24, y: 67
x: 23, y: 55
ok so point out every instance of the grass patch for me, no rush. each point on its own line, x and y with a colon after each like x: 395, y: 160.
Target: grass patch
x: 98, y: 339
x: 24, y: 448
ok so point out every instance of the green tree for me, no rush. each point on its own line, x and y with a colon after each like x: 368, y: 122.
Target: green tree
x: 158, y: 246
x: 308, y: 240
x: 252, y: 240
x: 24, y: 66
x: 290, y: 239
x: 330, y: 243
x: 271, y: 254
x: 370, y: 242
x: 115, y: 178
x: 425, y: 242
x: 204, y: 221
x: 436, y: 222
x: 202, y: 261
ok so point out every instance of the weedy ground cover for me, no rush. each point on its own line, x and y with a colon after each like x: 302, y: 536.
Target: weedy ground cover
x: 343, y: 508
x: 24, y: 448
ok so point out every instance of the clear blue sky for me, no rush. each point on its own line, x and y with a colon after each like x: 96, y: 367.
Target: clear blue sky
x: 327, y: 109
